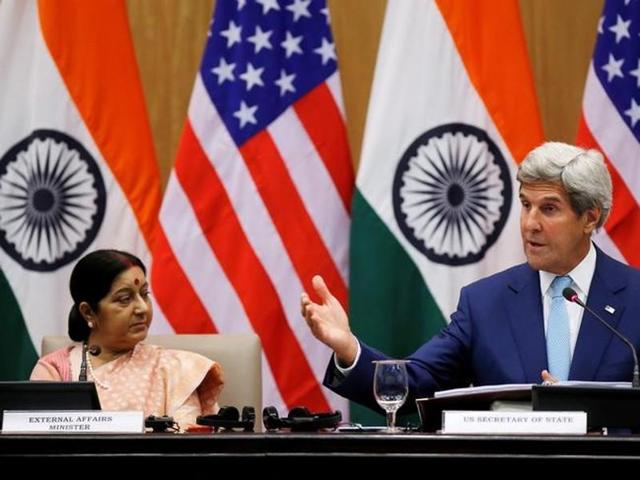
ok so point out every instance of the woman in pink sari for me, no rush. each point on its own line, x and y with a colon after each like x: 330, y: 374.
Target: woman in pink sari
x: 109, y: 321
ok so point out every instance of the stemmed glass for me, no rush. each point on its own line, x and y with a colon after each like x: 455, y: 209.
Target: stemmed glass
x: 390, y: 388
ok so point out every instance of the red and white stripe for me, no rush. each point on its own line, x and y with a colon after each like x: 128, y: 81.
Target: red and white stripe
x: 244, y: 230
x: 602, y: 127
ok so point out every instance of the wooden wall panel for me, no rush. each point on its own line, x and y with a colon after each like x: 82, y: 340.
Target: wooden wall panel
x: 560, y: 37
x: 356, y: 28
x: 169, y: 37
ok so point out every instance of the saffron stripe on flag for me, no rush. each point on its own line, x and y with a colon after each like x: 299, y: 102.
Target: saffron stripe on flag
x: 474, y: 27
x: 107, y: 70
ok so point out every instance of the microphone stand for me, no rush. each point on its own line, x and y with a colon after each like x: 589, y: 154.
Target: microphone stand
x: 571, y: 295
x: 83, y: 365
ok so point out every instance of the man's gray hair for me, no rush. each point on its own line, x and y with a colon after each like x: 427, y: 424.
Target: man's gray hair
x: 582, y: 173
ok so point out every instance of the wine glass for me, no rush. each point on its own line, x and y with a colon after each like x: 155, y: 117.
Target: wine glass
x: 390, y: 387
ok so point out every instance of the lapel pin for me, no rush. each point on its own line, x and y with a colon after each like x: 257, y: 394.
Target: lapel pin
x: 610, y: 309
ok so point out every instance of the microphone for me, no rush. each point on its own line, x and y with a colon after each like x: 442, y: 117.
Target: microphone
x: 571, y: 295
x: 83, y: 365
x: 93, y: 350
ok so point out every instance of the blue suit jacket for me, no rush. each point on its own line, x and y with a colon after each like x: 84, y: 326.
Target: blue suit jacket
x: 497, y: 336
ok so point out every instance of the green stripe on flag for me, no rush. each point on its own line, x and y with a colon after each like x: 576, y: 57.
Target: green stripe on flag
x: 17, y: 355
x: 390, y: 307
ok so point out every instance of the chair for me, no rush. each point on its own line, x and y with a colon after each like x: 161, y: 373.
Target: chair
x: 239, y: 354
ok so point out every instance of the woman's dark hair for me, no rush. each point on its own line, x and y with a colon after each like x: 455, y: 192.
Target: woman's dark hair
x: 91, y: 280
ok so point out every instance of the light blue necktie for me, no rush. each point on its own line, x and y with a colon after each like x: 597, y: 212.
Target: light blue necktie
x: 558, y: 338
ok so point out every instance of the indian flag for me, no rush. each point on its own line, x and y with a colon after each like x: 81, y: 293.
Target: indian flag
x: 452, y: 112
x: 77, y: 165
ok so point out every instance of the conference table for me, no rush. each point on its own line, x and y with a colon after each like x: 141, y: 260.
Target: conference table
x: 159, y: 451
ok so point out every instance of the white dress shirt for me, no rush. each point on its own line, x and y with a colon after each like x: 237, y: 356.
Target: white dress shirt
x: 581, y: 277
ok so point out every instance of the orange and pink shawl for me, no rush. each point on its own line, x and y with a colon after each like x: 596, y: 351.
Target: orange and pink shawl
x: 150, y: 378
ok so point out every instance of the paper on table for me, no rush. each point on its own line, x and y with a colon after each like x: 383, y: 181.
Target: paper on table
x: 510, y: 387
x: 506, y: 387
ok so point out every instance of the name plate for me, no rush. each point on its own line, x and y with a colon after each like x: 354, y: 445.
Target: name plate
x: 71, y: 421
x: 463, y: 421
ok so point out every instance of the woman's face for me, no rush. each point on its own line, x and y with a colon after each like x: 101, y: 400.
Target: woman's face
x: 124, y: 314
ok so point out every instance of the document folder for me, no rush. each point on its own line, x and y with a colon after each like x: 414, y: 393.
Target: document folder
x: 606, y: 405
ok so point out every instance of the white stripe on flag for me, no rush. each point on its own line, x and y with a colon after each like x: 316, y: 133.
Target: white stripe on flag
x: 315, y: 186
x: 207, y: 278
x: 333, y: 82
x: 255, y: 220
x: 603, y: 240
x: 199, y: 262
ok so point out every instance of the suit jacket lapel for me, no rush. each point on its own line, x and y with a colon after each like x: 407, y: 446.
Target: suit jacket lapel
x: 594, y: 337
x: 524, y: 308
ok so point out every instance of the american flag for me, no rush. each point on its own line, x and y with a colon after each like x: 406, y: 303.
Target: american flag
x: 259, y: 198
x: 611, y: 121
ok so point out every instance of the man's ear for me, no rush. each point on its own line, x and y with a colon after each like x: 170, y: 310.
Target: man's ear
x: 592, y: 217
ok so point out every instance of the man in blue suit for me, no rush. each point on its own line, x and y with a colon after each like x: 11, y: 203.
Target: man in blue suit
x: 505, y: 328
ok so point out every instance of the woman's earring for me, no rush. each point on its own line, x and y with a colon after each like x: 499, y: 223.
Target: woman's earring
x: 90, y: 324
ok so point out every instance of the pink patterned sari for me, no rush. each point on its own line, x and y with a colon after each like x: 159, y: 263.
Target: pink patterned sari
x: 150, y: 378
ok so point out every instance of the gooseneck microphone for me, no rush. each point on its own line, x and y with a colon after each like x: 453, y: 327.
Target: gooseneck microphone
x: 571, y: 295
x: 93, y: 350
